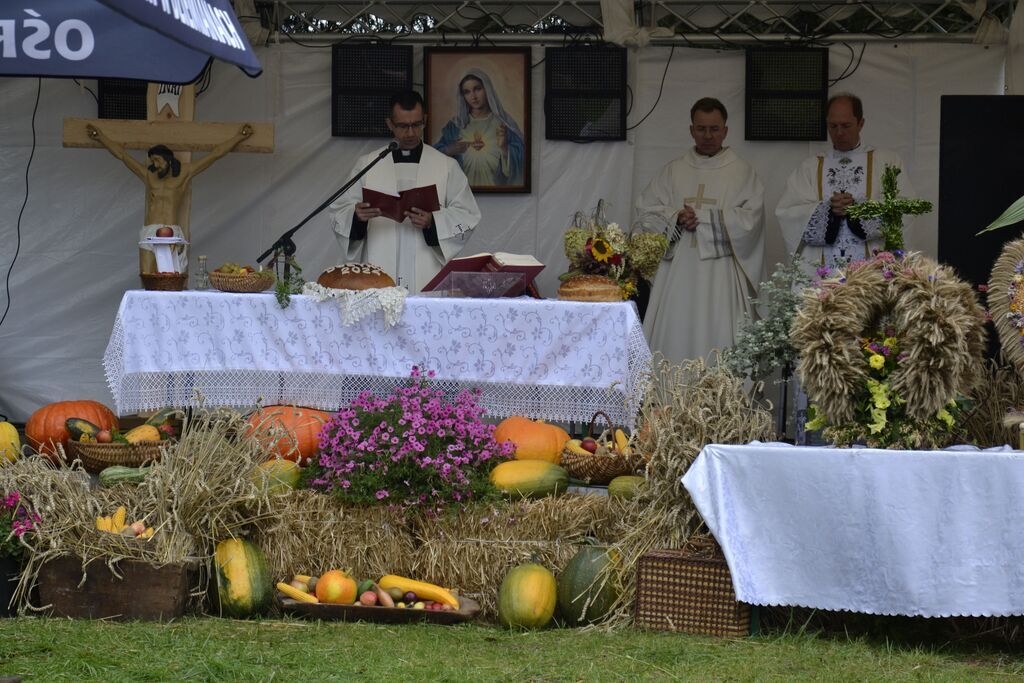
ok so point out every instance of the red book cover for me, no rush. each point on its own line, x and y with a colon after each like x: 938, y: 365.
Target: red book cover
x: 395, y: 206
x: 499, y: 262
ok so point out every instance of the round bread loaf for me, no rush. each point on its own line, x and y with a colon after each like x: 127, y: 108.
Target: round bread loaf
x: 590, y: 288
x: 355, y: 276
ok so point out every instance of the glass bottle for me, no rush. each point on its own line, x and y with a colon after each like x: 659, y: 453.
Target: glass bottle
x: 201, y: 279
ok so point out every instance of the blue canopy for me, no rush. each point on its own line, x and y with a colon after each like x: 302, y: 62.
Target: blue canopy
x: 167, y: 41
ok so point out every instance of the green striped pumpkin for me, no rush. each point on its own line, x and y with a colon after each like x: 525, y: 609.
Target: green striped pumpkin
x: 244, y: 584
x: 585, y: 592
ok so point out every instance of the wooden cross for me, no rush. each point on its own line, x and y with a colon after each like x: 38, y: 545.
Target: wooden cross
x: 700, y: 199
x: 170, y: 112
x: 891, y: 209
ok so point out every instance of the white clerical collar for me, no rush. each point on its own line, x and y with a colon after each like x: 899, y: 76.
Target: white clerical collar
x: 856, y: 150
x: 705, y: 156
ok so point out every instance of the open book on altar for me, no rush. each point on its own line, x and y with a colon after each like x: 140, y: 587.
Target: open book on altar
x: 394, y: 206
x: 526, y: 266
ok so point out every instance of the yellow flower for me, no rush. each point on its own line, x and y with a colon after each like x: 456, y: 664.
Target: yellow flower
x: 819, y: 421
x: 945, y: 417
x: 877, y: 361
x: 601, y: 250
x: 890, y: 342
x: 878, y: 420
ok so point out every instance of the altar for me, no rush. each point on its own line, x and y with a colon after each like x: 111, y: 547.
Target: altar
x: 550, y: 359
x: 916, y: 533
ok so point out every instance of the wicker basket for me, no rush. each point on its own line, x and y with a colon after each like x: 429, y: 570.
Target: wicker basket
x: 689, y: 591
x: 601, y: 467
x: 164, y: 282
x: 96, y: 457
x: 242, y: 284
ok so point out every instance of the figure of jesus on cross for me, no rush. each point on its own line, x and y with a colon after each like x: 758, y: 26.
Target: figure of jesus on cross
x: 891, y: 209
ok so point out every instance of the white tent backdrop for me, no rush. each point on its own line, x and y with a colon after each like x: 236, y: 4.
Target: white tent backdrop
x: 79, y: 230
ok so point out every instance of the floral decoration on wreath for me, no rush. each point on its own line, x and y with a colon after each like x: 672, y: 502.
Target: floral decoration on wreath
x: 596, y: 247
x: 886, y: 349
x: 1006, y: 301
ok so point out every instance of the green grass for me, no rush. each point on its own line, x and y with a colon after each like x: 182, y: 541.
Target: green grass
x: 219, y: 649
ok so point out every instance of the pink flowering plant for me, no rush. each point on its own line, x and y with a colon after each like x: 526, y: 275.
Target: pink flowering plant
x: 16, y: 520
x: 410, y: 449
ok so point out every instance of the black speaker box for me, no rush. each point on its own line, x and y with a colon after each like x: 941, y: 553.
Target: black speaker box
x: 122, y: 98
x: 585, y: 93
x: 363, y: 79
x: 787, y: 90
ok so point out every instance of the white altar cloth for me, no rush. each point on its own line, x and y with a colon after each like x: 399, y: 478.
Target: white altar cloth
x: 928, y: 533
x: 552, y: 359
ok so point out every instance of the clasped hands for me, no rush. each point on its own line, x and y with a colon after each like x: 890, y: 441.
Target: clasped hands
x: 839, y: 203
x: 687, y: 218
x: 420, y: 219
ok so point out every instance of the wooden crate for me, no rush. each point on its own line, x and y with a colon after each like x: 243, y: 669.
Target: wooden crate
x: 679, y: 591
x: 145, y: 592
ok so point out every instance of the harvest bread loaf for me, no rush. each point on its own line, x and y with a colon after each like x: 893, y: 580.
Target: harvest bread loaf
x: 590, y: 288
x: 355, y: 276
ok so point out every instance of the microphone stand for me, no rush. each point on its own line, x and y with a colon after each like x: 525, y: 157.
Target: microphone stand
x: 285, y: 245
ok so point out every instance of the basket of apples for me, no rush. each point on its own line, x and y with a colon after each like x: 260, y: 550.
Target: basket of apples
x: 600, y: 457
x: 232, y: 277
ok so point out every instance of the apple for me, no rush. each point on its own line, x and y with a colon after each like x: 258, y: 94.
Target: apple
x: 589, y: 445
x: 165, y: 232
x: 104, y: 436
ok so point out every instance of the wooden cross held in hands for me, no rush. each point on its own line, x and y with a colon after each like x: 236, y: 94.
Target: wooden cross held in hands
x: 891, y: 209
x: 170, y: 110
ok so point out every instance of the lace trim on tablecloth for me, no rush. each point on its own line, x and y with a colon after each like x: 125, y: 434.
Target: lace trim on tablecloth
x: 357, y: 304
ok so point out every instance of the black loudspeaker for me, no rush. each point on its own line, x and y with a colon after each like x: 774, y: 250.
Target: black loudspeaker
x: 585, y: 93
x: 122, y: 98
x: 981, y: 162
x: 363, y: 80
x: 787, y: 91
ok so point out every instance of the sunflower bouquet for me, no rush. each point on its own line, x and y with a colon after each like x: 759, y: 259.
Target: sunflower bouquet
x: 595, y: 246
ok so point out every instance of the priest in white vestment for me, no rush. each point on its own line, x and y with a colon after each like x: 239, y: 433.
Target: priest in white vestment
x: 414, y: 250
x: 812, y: 211
x: 715, y: 260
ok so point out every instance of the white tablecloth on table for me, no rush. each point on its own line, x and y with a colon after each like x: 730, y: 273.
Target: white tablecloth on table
x: 552, y: 359
x: 929, y: 533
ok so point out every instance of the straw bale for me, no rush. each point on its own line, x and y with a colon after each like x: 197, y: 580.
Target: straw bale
x: 473, y: 550
x: 311, y: 533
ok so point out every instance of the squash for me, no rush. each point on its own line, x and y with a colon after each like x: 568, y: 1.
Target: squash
x: 534, y: 440
x: 46, y: 427
x: 118, y: 474
x: 244, y: 585
x: 530, y: 478
x: 626, y: 486
x: 79, y: 428
x: 280, y: 475
x: 142, y: 433
x: 422, y: 589
x: 10, y: 442
x: 585, y: 589
x: 527, y: 597
x: 287, y: 431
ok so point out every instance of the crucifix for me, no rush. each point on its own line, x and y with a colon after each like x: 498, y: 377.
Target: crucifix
x: 891, y: 209
x: 169, y: 136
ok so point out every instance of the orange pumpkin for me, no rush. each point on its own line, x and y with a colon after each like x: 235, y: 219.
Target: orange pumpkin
x: 534, y: 439
x: 45, y: 427
x: 288, y: 431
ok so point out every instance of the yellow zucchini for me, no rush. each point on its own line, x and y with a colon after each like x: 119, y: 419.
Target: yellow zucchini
x: 295, y: 593
x: 142, y: 433
x: 422, y: 589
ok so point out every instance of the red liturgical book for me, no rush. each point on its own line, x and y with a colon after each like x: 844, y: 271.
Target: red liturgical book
x: 395, y: 206
x: 499, y: 262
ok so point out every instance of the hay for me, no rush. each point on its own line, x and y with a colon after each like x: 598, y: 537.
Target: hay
x: 999, y: 394
x: 311, y: 533
x: 473, y: 550
x: 202, y: 491
x: 685, y: 408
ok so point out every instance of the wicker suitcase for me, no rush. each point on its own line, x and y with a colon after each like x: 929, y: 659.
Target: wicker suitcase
x: 678, y: 590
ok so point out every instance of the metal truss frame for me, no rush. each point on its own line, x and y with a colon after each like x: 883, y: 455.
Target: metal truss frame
x: 721, y: 23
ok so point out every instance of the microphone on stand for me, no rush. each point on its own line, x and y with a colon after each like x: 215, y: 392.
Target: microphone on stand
x: 284, y: 243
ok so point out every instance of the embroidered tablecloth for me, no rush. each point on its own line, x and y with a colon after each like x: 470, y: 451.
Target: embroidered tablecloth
x: 928, y: 533
x: 552, y: 359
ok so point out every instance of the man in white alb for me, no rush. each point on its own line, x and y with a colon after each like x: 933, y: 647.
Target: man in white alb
x: 812, y: 211
x: 414, y: 250
x: 715, y: 260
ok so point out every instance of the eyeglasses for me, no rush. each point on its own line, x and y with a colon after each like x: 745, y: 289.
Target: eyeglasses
x: 409, y: 127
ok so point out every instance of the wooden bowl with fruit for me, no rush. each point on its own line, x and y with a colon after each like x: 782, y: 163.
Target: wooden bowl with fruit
x: 232, y: 277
